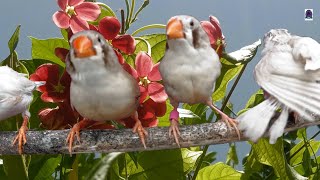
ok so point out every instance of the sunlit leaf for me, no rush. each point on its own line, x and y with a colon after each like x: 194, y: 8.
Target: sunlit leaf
x: 47, y: 168
x: 296, y: 153
x: 254, y: 100
x: 218, y: 171
x: 45, y: 49
x: 13, y: 42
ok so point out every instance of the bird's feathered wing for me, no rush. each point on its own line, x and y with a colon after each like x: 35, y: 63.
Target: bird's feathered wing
x: 290, y: 73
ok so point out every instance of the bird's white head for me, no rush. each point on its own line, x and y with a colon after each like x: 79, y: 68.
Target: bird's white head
x: 277, y: 36
x: 183, y: 28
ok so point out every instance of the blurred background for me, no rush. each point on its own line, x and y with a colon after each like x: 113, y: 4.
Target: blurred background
x: 243, y: 22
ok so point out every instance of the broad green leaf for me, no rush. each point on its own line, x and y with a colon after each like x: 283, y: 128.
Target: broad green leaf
x: 64, y: 34
x: 254, y: 100
x: 296, y: 153
x: 227, y: 74
x: 13, y: 42
x: 158, y: 47
x: 197, y: 109
x: 100, y: 170
x: 306, y: 163
x: 251, y: 166
x: 86, y: 162
x: 245, y: 54
x: 164, y: 164
x: 218, y: 171
x: 273, y: 155
x: 208, y: 159
x: 164, y: 120
x: 47, y: 168
x: 45, y: 49
x: 189, y: 159
x: 16, y: 166
x: 105, y: 11
x: 230, y: 67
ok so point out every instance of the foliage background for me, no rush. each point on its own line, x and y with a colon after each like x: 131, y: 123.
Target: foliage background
x: 242, y: 22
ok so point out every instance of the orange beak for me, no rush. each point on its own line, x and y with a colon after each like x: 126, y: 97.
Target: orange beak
x: 83, y: 47
x: 175, y: 29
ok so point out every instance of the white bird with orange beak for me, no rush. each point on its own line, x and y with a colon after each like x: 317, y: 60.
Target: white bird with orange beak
x: 189, y: 68
x: 100, y: 89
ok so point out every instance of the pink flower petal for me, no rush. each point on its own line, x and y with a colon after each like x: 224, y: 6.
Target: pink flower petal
x: 109, y: 27
x: 156, y: 92
x: 143, y: 64
x: 125, y: 43
x: 62, y: 4
x: 46, y: 72
x: 215, y: 22
x: 75, y: 2
x: 61, y: 19
x: 77, y: 24
x: 130, y: 70
x: 94, y: 28
x: 160, y: 109
x: 212, y: 33
x: 155, y: 75
x: 143, y: 94
x: 88, y: 11
x: 120, y: 57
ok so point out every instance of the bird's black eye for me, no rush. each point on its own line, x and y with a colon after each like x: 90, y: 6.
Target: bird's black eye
x: 99, y: 39
x: 191, y: 23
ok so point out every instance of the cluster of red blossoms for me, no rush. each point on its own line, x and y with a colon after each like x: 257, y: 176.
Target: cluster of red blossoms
x: 57, y: 87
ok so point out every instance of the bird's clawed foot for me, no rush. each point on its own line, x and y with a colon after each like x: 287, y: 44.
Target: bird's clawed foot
x: 75, y: 131
x: 174, y: 130
x: 138, y: 128
x: 21, y: 138
x: 231, y: 122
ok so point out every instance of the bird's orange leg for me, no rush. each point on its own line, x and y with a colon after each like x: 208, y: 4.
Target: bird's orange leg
x: 138, y: 128
x: 75, y: 131
x: 174, y: 122
x: 225, y: 118
x: 21, y: 137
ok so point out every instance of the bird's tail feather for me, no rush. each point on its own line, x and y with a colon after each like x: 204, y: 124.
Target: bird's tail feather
x: 255, y: 121
x: 277, y: 128
x: 39, y: 83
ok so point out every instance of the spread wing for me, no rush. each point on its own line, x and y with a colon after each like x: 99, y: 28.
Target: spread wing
x: 287, y: 80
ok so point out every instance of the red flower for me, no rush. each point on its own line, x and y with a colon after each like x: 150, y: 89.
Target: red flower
x: 56, y: 88
x: 110, y: 27
x: 148, y: 77
x: 75, y: 14
x: 148, y: 113
x: 61, y: 117
x: 216, y: 37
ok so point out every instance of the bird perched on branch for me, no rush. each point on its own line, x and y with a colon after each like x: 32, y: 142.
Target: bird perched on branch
x: 289, y: 73
x: 15, y: 98
x: 189, y: 68
x: 100, y: 88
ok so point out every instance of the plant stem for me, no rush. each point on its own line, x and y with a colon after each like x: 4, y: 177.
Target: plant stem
x: 122, y: 21
x: 205, y: 149
x: 147, y: 43
x: 151, y: 26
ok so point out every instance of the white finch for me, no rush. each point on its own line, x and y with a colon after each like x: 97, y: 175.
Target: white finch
x: 15, y: 98
x: 289, y: 73
x: 189, y: 68
x: 100, y: 88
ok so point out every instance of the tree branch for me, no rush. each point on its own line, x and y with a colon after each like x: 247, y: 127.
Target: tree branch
x: 124, y: 140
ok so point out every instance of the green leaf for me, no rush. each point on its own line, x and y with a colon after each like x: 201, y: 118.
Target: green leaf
x: 47, y: 168
x: 227, y: 74
x: 16, y: 166
x: 273, y: 155
x: 45, y: 49
x: 100, y: 170
x: 164, y: 120
x: 218, y: 171
x: 164, y: 164
x: 64, y: 34
x: 254, y: 100
x: 245, y: 54
x: 306, y: 163
x: 296, y: 153
x: 189, y: 159
x: 13, y: 42
x: 158, y: 46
